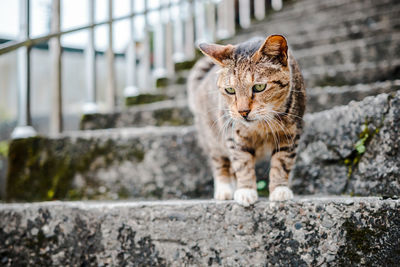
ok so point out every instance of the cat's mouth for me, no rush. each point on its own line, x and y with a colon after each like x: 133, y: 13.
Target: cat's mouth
x: 248, y: 120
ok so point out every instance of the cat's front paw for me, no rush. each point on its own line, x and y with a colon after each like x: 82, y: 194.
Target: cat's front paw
x: 246, y: 196
x: 281, y: 193
x: 223, y: 191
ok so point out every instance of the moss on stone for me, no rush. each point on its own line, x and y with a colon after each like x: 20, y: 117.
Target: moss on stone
x: 365, y: 137
x: 123, y: 193
x: 185, y: 65
x: 4, y: 148
x: 44, y: 169
x: 331, y: 81
x: 162, y: 82
x: 170, y: 117
x: 180, y: 80
x: 144, y: 99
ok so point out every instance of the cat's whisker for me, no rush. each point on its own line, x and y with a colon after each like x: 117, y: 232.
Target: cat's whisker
x: 284, y: 132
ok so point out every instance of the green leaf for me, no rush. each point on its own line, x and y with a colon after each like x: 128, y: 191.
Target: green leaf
x: 360, y: 149
x: 261, y: 185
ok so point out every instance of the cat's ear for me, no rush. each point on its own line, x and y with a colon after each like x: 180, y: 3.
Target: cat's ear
x: 275, y: 47
x: 220, y: 54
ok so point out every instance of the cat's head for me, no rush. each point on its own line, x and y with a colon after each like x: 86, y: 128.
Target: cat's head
x: 254, y: 78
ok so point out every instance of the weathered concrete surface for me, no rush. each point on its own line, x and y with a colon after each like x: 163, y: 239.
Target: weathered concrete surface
x: 305, y: 232
x: 164, y: 113
x: 150, y: 162
x: 323, y: 98
x: 352, y: 149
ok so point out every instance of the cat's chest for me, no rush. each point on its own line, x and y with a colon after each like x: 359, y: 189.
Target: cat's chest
x: 256, y: 138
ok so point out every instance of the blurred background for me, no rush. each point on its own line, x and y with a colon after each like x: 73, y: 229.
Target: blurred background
x: 101, y: 48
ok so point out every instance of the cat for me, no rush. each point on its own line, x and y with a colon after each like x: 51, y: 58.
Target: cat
x: 248, y: 101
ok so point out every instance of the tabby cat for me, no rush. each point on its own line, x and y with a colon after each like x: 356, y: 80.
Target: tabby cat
x: 248, y: 101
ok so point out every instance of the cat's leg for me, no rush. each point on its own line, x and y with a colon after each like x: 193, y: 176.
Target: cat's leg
x: 223, y: 178
x: 243, y: 164
x: 282, y: 161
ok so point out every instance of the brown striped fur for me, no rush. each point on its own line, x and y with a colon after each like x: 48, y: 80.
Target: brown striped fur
x: 234, y: 141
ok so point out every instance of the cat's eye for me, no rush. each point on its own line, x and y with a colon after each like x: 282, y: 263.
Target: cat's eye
x: 259, y: 88
x: 230, y: 90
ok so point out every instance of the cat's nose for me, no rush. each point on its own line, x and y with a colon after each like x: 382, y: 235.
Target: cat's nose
x: 244, y: 113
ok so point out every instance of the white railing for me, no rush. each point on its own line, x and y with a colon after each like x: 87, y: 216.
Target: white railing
x: 174, y: 41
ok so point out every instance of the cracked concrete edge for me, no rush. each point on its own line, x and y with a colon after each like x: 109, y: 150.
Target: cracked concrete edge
x: 87, y: 205
x: 303, y: 232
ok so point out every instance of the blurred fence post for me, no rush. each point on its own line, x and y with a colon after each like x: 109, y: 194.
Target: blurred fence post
x: 226, y: 19
x: 159, y: 45
x: 145, y: 58
x: 210, y: 14
x: 169, y: 44
x: 56, y: 120
x: 23, y: 128
x: 259, y: 9
x: 200, y: 21
x: 244, y: 14
x: 111, y: 90
x: 90, y: 105
x: 131, y: 78
x: 276, y: 5
x: 189, y: 31
x: 179, y: 55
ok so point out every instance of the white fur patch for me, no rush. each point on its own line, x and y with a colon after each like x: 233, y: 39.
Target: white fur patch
x: 245, y: 196
x: 223, y: 191
x: 281, y: 193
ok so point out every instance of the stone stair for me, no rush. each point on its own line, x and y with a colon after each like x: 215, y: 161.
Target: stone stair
x: 348, y: 53
x: 324, y: 231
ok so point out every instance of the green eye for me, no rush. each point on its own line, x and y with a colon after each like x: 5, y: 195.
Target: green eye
x: 259, y: 88
x: 230, y: 90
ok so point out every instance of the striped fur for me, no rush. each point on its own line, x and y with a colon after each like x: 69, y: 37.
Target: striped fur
x: 274, y: 122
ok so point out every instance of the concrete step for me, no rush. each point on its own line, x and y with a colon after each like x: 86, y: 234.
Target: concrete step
x: 344, y: 22
x: 380, y: 47
x: 175, y: 113
x: 351, y: 74
x: 349, y: 149
x: 327, y: 97
x: 328, y: 231
x: 148, y: 162
x: 164, y: 113
x: 326, y: 16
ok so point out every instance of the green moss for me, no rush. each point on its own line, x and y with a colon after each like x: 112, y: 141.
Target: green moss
x: 138, y: 154
x: 162, y: 82
x: 171, y: 117
x: 360, y: 239
x: 144, y: 99
x: 44, y: 169
x: 365, y: 136
x: 331, y: 81
x: 4, y: 148
x: 185, y: 65
x: 180, y: 80
x: 123, y: 193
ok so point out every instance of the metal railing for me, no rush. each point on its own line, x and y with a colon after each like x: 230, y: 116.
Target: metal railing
x: 174, y: 41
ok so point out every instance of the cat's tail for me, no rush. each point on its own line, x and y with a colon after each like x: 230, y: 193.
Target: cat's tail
x: 196, y: 76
